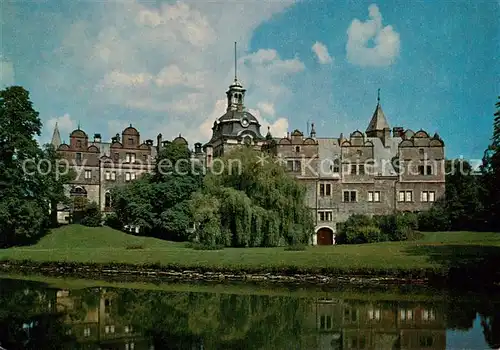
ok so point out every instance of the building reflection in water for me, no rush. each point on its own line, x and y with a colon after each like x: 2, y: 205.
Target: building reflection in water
x: 101, y: 318
x: 377, y: 325
x: 89, y: 313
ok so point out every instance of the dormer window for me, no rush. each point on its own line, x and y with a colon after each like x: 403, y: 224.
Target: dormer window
x: 297, y: 149
x: 130, y: 141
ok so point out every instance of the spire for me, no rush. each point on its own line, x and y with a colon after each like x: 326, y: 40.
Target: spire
x: 56, y: 137
x: 235, y: 64
x: 313, y: 131
x: 236, y: 92
x: 269, y: 136
x: 378, y: 121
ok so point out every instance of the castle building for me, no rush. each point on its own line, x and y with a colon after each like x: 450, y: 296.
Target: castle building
x: 376, y: 172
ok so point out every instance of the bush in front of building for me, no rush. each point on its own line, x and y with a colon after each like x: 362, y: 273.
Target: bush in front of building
x: 359, y: 229
x: 91, y: 215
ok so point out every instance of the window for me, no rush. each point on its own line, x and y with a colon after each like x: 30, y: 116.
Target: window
x: 88, y: 174
x: 297, y: 149
x: 86, y: 332
x: 361, y: 169
x: 432, y: 196
x: 350, y: 196
x: 325, y: 190
x: 409, y: 196
x: 336, y: 166
x: 424, y: 196
x: 374, y: 314
x: 116, y: 156
x: 289, y: 165
x: 108, y: 175
x: 325, y: 322
x: 132, y: 176
x: 145, y: 157
x: 428, y: 315
x: 429, y: 170
x: 130, y: 141
x: 421, y: 170
x: 406, y: 315
x: 78, y: 157
x: 325, y: 215
x: 405, y: 196
x: 353, y: 169
x: 79, y: 144
x: 127, y: 176
x: 373, y: 196
x: 359, y: 153
x: 113, y: 176
x: 129, y: 329
x: 428, y: 196
x: 421, y: 152
x: 350, y: 315
x: 130, y: 157
x: 129, y: 346
x: 297, y: 165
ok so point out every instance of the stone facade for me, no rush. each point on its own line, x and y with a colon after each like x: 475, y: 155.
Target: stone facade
x: 379, y: 171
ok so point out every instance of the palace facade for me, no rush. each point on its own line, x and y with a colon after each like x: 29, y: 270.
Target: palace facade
x: 375, y: 172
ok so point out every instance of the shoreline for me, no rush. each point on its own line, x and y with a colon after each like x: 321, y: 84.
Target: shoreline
x: 158, y: 273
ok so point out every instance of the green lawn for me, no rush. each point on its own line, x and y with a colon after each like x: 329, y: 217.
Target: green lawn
x: 435, y: 251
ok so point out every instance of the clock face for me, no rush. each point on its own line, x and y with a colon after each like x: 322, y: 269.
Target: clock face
x: 244, y: 122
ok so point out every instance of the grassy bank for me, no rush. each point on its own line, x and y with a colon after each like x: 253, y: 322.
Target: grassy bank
x: 438, y: 253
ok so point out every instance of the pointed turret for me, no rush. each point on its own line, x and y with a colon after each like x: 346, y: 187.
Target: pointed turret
x: 378, y: 122
x: 56, y: 137
x: 313, y: 131
x: 268, y: 135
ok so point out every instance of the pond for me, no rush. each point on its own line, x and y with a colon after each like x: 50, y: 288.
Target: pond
x: 78, y: 314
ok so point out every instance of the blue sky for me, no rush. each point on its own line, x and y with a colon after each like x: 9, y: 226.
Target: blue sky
x: 165, y: 66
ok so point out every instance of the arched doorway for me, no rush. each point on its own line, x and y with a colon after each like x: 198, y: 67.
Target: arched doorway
x: 325, y: 236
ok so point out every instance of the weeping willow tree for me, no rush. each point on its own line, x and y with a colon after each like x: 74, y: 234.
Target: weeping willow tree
x: 247, y: 202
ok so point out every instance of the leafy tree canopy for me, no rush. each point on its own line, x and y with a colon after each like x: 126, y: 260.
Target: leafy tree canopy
x: 247, y: 203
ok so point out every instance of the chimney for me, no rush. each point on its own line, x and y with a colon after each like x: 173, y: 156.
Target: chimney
x: 117, y: 137
x: 197, y: 148
x: 158, y: 142
x: 97, y: 138
x: 149, y: 142
x: 397, y: 131
x: 288, y: 134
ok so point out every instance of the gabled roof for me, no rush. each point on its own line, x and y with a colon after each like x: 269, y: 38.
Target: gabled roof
x: 378, y: 122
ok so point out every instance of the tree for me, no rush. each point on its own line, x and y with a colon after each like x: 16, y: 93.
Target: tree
x: 24, y: 201
x: 159, y: 203
x: 247, y: 203
x: 491, y: 171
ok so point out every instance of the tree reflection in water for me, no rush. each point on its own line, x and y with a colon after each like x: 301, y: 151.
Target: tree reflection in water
x: 33, y: 316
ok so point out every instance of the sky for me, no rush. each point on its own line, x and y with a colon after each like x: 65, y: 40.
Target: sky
x: 164, y: 66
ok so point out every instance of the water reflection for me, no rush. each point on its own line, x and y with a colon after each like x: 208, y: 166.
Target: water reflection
x: 33, y: 316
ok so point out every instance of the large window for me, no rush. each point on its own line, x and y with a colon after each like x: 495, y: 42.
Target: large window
x: 350, y: 196
x: 88, y: 174
x: 325, y: 215
x: 373, y: 196
x: 325, y: 189
x: 427, y: 196
x: 405, y: 196
x: 130, y: 157
x: 325, y: 322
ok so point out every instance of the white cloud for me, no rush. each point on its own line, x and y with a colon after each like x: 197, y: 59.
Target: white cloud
x: 64, y: 123
x: 171, y: 62
x: 321, y: 52
x: 278, y: 128
x: 360, y: 35
x: 6, y: 73
x: 266, y: 108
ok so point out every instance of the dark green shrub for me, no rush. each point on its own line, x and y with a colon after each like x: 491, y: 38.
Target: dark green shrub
x: 91, y: 215
x: 371, y: 234
x: 434, y: 219
x: 113, y: 221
